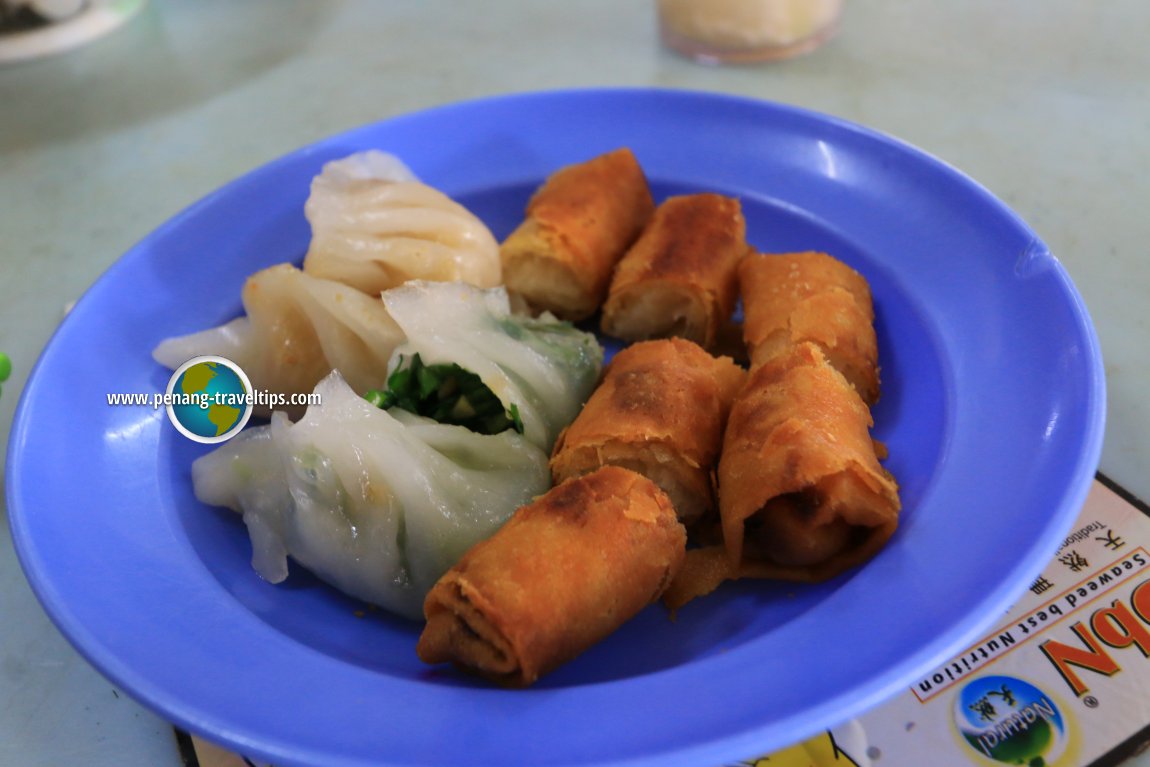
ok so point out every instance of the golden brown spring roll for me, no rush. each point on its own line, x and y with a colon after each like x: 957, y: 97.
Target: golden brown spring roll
x: 802, y: 495
x: 563, y: 573
x: 660, y: 411
x: 679, y: 277
x: 792, y: 298
x: 578, y: 225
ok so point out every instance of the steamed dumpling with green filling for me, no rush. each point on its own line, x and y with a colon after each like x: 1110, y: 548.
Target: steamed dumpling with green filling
x: 375, y: 225
x: 377, y: 503
x: 541, y: 368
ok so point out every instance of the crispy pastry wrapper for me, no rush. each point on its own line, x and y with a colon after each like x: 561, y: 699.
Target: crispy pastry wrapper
x: 799, y: 429
x: 792, y: 298
x: 704, y: 570
x: 679, y: 278
x: 802, y: 496
x: 563, y: 573
x: 660, y: 410
x: 578, y: 226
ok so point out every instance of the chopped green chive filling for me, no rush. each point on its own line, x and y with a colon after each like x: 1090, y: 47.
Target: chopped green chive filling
x: 446, y: 393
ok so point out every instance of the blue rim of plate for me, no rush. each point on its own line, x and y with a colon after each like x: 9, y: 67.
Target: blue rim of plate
x: 993, y: 410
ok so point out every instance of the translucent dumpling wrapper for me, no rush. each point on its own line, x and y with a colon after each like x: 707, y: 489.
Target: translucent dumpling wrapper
x: 544, y: 367
x: 377, y: 503
x: 376, y: 226
x: 296, y: 329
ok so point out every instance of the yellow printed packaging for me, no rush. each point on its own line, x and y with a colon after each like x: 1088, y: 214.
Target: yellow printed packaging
x: 1061, y: 681
x: 830, y: 749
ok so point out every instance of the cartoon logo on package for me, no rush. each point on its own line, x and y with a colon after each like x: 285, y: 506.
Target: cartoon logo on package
x: 1010, y: 721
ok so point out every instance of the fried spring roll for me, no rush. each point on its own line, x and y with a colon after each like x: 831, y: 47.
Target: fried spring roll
x: 660, y: 411
x: 792, y: 298
x: 578, y: 225
x: 563, y: 573
x: 802, y: 495
x: 679, y: 278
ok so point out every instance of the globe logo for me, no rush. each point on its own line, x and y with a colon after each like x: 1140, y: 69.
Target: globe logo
x: 1010, y: 721
x: 209, y: 399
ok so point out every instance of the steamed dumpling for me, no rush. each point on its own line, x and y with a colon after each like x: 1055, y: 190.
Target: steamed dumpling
x: 297, y: 329
x: 379, y: 504
x: 375, y: 226
x: 544, y: 367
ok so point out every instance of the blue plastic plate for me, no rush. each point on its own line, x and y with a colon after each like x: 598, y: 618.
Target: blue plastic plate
x: 992, y: 409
